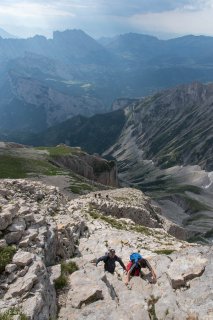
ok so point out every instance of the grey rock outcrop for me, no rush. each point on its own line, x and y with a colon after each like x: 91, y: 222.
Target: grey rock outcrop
x: 186, y: 268
x: 40, y: 240
x: 7, y: 214
x: 22, y: 258
x: 141, y: 299
x: 132, y: 206
x: 83, y: 229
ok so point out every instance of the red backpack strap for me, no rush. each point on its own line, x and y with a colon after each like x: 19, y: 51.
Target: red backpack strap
x: 128, y: 266
x: 136, y: 270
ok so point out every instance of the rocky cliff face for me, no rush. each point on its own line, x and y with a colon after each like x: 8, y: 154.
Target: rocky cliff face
x: 91, y: 167
x: 29, y: 229
x: 45, y: 229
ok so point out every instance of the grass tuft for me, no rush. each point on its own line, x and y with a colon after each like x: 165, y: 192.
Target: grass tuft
x: 61, y: 150
x: 11, y: 167
x: 61, y: 282
x: 151, y: 305
x: 141, y: 229
x: 9, y: 314
x: 66, y: 269
x: 79, y: 188
x: 164, y: 251
x: 6, y: 255
x: 16, y: 168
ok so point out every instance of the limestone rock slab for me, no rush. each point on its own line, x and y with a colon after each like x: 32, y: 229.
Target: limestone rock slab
x: 186, y: 268
x: 7, y: 215
x: 23, y: 258
x: 89, y: 295
x: 21, y: 285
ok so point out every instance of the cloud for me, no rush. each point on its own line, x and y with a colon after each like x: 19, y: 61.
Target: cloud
x: 107, y: 17
x: 26, y: 18
x: 27, y: 9
x: 131, y: 7
x: 176, y: 21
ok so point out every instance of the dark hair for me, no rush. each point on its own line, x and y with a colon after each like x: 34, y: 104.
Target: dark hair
x: 142, y: 263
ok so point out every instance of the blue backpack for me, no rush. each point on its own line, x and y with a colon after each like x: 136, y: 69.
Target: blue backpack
x: 134, y: 257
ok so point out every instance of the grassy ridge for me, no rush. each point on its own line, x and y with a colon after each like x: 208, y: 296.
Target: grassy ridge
x: 15, y: 165
x: 61, y: 150
x: 19, y: 163
x: 16, y: 168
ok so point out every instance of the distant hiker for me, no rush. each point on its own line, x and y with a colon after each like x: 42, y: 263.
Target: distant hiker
x: 137, y: 262
x: 107, y: 196
x: 95, y: 195
x: 109, y: 260
x: 99, y: 195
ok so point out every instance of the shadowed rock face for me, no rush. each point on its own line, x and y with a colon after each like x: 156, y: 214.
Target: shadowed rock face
x: 55, y: 229
x: 91, y: 167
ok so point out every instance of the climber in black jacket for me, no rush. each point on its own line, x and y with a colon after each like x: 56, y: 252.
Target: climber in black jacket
x: 109, y: 260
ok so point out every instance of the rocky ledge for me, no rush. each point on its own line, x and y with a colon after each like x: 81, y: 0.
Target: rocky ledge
x: 41, y: 231
x: 30, y: 231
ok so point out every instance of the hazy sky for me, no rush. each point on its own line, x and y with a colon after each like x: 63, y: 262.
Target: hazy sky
x: 163, y: 18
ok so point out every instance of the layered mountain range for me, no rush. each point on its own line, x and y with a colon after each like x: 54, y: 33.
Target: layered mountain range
x: 162, y: 144
x: 46, y: 81
x: 58, y: 90
x: 172, y: 127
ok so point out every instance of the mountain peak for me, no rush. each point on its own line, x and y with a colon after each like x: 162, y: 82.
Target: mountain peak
x: 5, y: 35
x: 70, y: 33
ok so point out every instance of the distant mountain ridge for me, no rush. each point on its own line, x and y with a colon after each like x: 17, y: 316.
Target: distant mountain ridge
x: 86, y: 76
x: 4, y: 34
x: 66, y: 45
